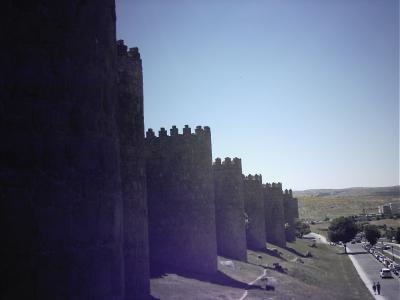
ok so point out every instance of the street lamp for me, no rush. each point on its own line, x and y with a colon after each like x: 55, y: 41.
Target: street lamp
x: 392, y: 254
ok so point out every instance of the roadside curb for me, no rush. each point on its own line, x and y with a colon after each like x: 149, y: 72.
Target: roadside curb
x: 368, y: 283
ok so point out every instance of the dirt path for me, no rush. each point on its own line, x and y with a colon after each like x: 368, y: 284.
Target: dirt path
x: 246, y: 292
x: 319, y: 238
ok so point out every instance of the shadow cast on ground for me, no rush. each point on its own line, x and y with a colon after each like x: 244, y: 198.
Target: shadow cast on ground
x: 351, y: 253
x: 295, y: 252
x: 218, y: 278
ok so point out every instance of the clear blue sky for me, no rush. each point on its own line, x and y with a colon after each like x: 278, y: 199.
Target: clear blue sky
x: 306, y: 92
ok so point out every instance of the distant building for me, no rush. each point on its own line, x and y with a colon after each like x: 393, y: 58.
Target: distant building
x: 384, y: 210
x: 395, y: 208
x: 389, y: 209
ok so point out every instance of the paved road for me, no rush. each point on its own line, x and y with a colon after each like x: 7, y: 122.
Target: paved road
x: 395, y: 251
x: 369, y: 267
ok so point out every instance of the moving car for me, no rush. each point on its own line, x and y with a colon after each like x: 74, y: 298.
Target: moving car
x: 385, y: 273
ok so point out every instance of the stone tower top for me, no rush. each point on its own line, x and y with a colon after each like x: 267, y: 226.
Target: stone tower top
x: 235, y: 163
x: 274, y: 185
x: 256, y: 177
x: 122, y: 50
x: 174, y: 132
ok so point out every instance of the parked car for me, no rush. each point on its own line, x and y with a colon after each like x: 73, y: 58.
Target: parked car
x: 386, y: 263
x: 395, y: 268
x: 385, y: 273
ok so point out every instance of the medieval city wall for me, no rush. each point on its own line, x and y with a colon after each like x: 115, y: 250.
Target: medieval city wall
x: 129, y: 116
x: 255, y: 210
x: 291, y: 212
x: 75, y: 169
x: 274, y: 214
x: 59, y: 176
x: 181, y: 205
x: 229, y: 204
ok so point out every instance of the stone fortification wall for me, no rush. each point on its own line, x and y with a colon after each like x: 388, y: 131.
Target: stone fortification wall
x: 59, y: 175
x: 129, y: 115
x: 274, y: 214
x: 291, y: 212
x: 255, y: 210
x: 229, y: 203
x: 181, y: 200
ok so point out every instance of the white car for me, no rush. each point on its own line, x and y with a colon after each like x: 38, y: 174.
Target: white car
x: 385, y: 273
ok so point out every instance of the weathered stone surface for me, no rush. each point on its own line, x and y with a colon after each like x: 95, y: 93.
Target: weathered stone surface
x: 255, y: 210
x: 60, y: 183
x: 130, y: 123
x: 229, y: 203
x: 291, y: 212
x: 274, y: 214
x: 181, y: 200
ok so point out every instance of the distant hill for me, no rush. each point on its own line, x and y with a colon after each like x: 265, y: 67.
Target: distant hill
x: 390, y: 191
x: 318, y: 204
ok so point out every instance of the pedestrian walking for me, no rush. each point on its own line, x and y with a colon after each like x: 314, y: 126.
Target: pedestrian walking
x: 378, y: 287
x: 374, y: 288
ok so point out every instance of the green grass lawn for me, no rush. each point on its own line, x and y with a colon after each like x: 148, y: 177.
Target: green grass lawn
x: 389, y: 222
x: 329, y: 274
x: 320, y: 228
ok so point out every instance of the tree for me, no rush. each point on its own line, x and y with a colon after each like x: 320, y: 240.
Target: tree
x: 372, y: 234
x: 342, y: 229
x: 361, y: 225
x: 397, y: 236
x: 390, y: 233
x: 302, y: 228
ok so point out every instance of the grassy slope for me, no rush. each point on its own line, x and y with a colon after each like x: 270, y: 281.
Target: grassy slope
x: 327, y: 275
x: 319, y: 207
x: 389, y: 222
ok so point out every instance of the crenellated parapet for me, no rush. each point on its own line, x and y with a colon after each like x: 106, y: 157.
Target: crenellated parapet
x: 123, y: 51
x: 256, y: 177
x: 227, y: 163
x: 201, y: 133
x: 274, y: 185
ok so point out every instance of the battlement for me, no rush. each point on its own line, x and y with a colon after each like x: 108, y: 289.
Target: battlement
x: 289, y: 193
x: 227, y: 163
x: 174, y: 132
x: 122, y: 50
x: 256, y: 177
x: 274, y: 185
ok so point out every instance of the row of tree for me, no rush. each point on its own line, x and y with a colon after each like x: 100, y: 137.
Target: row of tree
x: 344, y: 229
